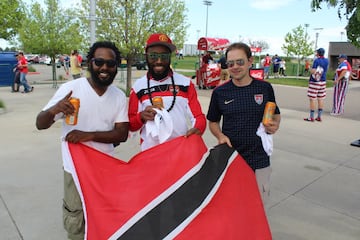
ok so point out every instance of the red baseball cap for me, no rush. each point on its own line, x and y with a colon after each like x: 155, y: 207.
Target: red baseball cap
x: 160, y: 39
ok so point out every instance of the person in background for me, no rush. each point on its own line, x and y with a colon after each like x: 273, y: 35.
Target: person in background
x: 266, y: 64
x: 240, y: 104
x: 181, y: 54
x: 224, y: 74
x: 102, y: 122
x: 207, y: 58
x: 22, y: 67
x: 15, y: 87
x: 276, y: 65
x: 80, y: 59
x: 75, y: 65
x: 317, y: 85
x: 282, y: 68
x: 66, y: 63
x: 177, y: 93
x: 341, y: 84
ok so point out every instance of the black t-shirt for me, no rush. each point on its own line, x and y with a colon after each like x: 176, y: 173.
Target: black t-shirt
x: 241, y: 110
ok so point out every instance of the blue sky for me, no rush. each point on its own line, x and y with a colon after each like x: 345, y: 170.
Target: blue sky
x: 266, y: 20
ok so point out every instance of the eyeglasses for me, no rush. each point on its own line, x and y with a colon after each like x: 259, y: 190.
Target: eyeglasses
x: 231, y: 63
x: 156, y: 56
x: 100, y: 62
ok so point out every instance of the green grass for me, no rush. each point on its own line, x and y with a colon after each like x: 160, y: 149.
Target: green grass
x: 189, y: 62
x: 299, y: 82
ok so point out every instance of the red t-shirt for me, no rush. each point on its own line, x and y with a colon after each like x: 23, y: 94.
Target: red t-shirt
x: 267, y: 61
x: 23, y: 61
x: 79, y: 59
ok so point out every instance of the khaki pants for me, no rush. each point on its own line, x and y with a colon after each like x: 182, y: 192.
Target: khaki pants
x: 73, y: 215
x: 263, y: 181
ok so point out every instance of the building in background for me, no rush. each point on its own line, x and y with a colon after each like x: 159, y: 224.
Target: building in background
x: 190, y: 50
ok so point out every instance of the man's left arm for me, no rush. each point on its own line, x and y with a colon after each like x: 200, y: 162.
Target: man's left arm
x: 200, y: 121
x: 116, y: 135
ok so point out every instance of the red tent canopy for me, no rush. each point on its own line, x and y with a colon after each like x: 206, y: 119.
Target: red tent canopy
x: 214, y: 44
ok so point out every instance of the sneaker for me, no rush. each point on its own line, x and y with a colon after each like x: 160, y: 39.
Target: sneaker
x: 29, y: 91
x: 309, y: 119
x: 318, y: 119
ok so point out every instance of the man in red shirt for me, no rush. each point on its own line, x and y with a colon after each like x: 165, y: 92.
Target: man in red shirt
x: 79, y: 59
x: 267, y: 63
x: 23, y: 69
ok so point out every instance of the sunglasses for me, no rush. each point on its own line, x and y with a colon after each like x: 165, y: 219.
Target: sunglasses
x: 100, y: 62
x: 156, y: 56
x: 231, y: 63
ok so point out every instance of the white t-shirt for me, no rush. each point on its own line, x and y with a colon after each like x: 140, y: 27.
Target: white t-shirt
x: 96, y: 113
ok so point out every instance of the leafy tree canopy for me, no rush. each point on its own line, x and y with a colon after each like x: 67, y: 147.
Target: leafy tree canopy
x: 259, y: 43
x: 11, y: 18
x: 49, y: 30
x: 297, y: 44
x: 349, y: 10
x: 129, y: 23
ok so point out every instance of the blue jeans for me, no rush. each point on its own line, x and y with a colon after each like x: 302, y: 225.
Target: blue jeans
x: 24, y: 82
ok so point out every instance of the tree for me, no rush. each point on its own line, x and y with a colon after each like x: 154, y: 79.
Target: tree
x: 259, y: 43
x: 347, y: 9
x: 11, y: 18
x: 297, y: 44
x: 129, y: 23
x: 50, y: 31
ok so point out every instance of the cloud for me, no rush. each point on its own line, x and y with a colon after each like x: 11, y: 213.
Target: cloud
x: 269, y: 4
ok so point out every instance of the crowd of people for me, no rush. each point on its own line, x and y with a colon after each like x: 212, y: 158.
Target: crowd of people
x: 112, y: 116
x: 275, y: 66
x: 165, y: 99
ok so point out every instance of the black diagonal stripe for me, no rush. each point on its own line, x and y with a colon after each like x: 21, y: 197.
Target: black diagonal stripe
x: 165, y: 217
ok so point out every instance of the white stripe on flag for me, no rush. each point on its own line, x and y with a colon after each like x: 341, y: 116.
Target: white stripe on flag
x: 159, y: 199
x: 197, y: 211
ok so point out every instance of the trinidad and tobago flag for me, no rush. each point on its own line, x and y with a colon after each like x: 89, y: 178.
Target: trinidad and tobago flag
x: 176, y: 190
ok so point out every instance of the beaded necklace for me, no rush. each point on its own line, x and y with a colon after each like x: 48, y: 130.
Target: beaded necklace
x: 174, y: 92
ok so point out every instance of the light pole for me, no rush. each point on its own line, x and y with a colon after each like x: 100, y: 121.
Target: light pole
x: 317, y: 36
x: 342, y: 34
x: 306, y: 28
x: 92, y: 18
x: 207, y: 4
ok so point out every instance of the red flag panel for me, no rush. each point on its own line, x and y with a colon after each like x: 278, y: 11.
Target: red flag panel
x: 114, y: 191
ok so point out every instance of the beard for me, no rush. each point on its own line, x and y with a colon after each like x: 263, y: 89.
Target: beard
x: 101, y: 81
x: 159, y: 75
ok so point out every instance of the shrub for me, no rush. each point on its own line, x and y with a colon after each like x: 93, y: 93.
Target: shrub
x: 31, y: 68
x: 2, y: 104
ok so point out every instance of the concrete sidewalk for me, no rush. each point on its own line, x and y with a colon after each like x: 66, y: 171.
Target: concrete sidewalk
x: 315, y: 183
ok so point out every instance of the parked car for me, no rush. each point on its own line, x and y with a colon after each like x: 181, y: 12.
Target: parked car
x: 42, y: 59
x: 34, y: 59
x: 48, y: 62
x: 140, y: 64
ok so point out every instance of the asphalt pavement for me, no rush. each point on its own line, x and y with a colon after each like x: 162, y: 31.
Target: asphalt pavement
x: 315, y: 193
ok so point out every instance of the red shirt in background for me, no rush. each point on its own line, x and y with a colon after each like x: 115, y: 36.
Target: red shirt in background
x: 23, y: 61
x: 79, y: 59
